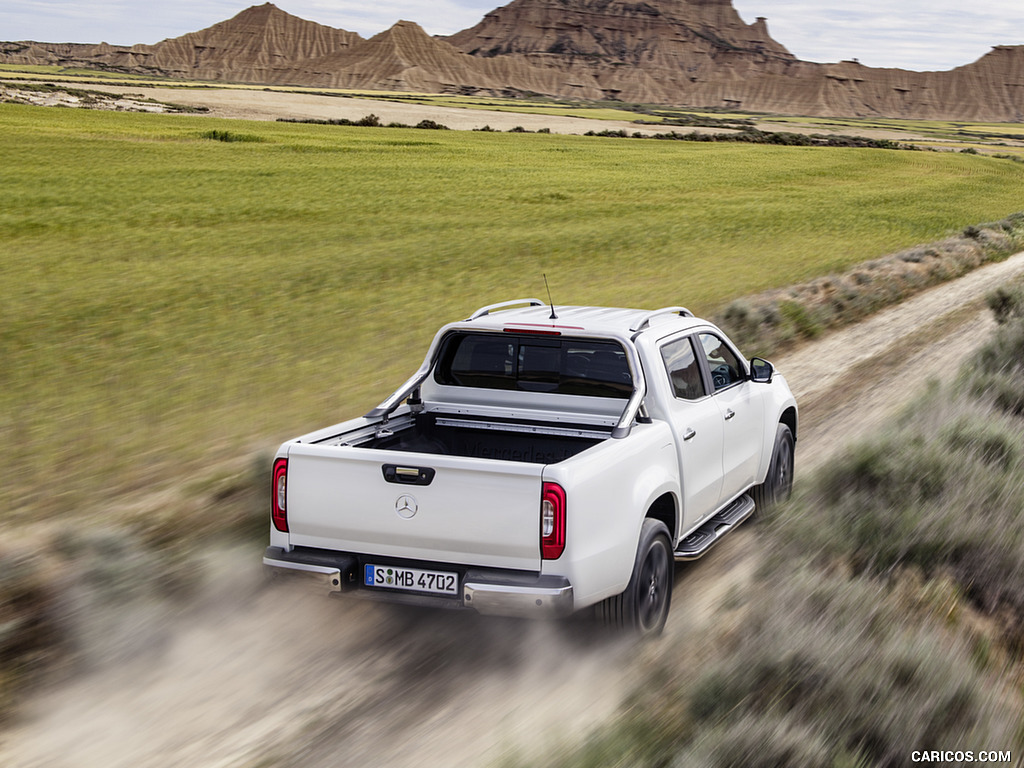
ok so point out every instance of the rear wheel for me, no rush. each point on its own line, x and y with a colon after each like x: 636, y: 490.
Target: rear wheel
x: 643, y: 607
x: 778, y: 486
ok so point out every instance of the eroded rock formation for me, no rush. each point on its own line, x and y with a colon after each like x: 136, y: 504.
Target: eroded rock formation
x: 696, y: 53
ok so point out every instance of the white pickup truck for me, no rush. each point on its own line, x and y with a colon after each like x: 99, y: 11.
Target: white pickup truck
x: 540, y: 461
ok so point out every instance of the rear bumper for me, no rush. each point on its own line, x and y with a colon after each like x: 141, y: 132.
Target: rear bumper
x: 485, y: 590
x: 324, y: 570
x: 528, y: 596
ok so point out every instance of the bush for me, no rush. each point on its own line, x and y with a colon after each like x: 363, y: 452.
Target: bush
x: 800, y: 317
x: 996, y: 372
x: 1006, y: 303
x: 941, y: 493
x: 230, y: 137
x: 762, y: 742
x: 829, y: 672
x: 30, y: 635
x: 776, y: 319
x: 820, y: 671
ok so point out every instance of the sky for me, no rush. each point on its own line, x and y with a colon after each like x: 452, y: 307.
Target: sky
x: 912, y: 34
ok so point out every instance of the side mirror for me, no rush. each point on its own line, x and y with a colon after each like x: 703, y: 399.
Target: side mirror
x: 761, y: 370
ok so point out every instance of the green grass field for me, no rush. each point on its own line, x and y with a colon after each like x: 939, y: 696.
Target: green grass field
x: 170, y: 302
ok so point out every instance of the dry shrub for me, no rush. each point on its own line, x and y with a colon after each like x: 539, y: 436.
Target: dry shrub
x: 821, y: 671
x: 829, y: 672
x: 30, y: 634
x: 1006, y: 303
x: 777, y: 319
x: 766, y: 741
x: 942, y: 493
x: 996, y: 373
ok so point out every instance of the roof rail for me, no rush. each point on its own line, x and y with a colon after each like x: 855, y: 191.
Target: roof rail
x: 493, y: 307
x: 646, y: 319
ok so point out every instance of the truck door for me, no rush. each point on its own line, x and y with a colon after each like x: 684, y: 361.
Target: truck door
x: 742, y: 414
x: 698, y: 428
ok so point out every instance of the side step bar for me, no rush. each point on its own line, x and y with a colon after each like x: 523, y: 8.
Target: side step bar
x: 697, y: 544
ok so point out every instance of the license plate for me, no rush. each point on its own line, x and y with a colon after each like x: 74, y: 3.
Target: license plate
x: 392, y: 577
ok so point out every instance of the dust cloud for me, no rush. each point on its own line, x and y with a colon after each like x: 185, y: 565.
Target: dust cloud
x: 255, y: 672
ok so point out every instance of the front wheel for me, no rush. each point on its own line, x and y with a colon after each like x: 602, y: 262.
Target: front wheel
x: 778, y: 486
x: 643, y: 608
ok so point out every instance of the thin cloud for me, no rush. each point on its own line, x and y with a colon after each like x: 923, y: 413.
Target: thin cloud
x: 938, y: 34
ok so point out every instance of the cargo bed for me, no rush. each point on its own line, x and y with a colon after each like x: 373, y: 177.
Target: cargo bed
x: 481, y: 438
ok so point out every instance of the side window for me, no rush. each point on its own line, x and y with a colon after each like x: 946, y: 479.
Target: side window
x: 683, y: 369
x: 726, y: 368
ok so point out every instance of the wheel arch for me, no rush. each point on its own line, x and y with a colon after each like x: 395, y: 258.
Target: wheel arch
x: 789, y: 418
x: 665, y: 509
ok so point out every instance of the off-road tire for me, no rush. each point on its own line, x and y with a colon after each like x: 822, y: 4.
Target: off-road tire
x: 642, y: 608
x: 778, y: 485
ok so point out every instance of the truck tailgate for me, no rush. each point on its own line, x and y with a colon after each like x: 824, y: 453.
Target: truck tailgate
x: 472, y: 511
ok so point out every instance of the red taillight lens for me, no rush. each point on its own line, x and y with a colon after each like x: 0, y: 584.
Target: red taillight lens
x: 278, y: 504
x: 552, y: 521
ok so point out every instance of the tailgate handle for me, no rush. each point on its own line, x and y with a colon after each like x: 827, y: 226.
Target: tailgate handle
x: 405, y: 475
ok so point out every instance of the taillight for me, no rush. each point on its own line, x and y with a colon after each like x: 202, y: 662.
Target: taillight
x: 279, y: 505
x: 552, y: 521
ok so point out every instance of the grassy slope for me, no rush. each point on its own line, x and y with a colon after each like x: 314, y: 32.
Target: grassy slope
x: 163, y: 296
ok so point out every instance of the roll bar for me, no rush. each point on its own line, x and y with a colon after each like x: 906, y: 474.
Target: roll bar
x: 635, y: 405
x: 634, y: 410
x: 386, y: 408
x: 396, y: 398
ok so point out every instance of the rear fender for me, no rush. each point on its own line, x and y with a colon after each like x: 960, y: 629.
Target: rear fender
x: 609, y: 490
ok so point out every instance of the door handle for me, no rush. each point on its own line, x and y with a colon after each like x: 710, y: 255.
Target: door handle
x: 729, y: 414
x: 689, y: 434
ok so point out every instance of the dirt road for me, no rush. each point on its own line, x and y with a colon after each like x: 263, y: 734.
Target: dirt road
x: 258, y: 675
x: 255, y: 104
x: 252, y: 104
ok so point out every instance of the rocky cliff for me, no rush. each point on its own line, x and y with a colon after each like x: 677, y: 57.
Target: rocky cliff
x: 262, y: 44
x: 259, y: 45
x: 657, y: 33
x: 683, y: 52
x: 635, y: 51
x: 405, y: 57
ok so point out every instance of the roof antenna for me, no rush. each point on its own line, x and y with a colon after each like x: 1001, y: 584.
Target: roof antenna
x: 553, y: 315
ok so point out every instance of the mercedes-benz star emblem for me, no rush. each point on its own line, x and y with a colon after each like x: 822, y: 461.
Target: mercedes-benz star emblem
x: 406, y: 506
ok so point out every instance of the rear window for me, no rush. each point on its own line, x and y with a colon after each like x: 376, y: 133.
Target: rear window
x: 563, y: 366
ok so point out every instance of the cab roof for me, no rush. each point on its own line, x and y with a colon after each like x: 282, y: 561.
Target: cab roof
x: 533, y: 315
